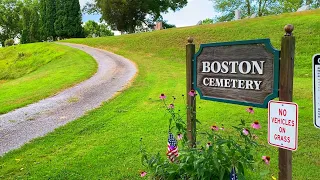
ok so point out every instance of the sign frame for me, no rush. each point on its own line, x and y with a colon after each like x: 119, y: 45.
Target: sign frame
x: 296, y: 128
x: 276, y: 65
x: 314, y: 91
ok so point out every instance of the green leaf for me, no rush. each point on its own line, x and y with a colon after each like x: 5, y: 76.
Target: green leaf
x: 264, y: 173
x: 240, y: 168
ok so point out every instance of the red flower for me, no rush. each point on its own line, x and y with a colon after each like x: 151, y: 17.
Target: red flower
x: 143, y: 173
x: 266, y: 159
x: 192, y: 93
x: 214, y: 128
x: 245, y: 131
x: 255, y: 125
x: 250, y: 110
x: 162, y: 96
x: 171, y: 106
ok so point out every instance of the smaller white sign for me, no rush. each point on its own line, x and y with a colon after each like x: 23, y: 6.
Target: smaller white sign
x: 283, y: 125
x: 316, y: 89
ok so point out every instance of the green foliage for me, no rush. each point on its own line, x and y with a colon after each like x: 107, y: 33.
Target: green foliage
x: 207, y: 21
x: 223, y: 149
x: 9, y: 19
x: 30, y: 22
x: 31, y: 72
x: 9, y: 42
x: 93, y: 29
x: 60, y: 19
x: 104, y: 144
x: 166, y: 25
x: 259, y: 7
x: 125, y: 16
x: 74, y: 19
x: 48, y: 16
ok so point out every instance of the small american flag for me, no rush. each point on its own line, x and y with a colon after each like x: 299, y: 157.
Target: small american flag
x: 233, y: 175
x: 172, y: 148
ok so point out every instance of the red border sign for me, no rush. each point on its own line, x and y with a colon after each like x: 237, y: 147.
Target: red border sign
x: 285, y: 130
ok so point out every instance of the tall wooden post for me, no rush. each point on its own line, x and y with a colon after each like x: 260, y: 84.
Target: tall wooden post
x: 286, y: 88
x: 191, y: 100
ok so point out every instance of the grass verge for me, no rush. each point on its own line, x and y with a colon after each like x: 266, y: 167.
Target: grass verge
x: 42, y: 71
x: 105, y: 143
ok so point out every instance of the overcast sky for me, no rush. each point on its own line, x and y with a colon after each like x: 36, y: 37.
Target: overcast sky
x: 195, y: 11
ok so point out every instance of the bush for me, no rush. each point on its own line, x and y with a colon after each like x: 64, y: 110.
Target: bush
x: 223, y: 151
x: 9, y: 42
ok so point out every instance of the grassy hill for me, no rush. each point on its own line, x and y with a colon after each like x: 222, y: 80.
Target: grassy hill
x: 105, y: 143
x: 31, y: 72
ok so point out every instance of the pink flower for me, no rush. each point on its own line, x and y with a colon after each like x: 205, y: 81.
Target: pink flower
x: 192, y: 93
x: 171, y: 106
x: 162, y: 96
x: 255, y: 125
x: 250, y: 110
x: 143, y: 173
x: 179, y: 136
x: 266, y: 159
x: 214, y: 128
x: 209, y: 144
x: 245, y: 131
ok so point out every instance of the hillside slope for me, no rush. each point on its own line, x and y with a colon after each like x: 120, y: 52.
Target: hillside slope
x: 31, y: 72
x: 105, y: 143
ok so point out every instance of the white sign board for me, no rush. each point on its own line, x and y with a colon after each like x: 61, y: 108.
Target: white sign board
x: 316, y: 89
x: 283, y: 125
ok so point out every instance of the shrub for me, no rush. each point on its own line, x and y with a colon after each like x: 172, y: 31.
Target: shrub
x: 9, y: 42
x: 224, y: 151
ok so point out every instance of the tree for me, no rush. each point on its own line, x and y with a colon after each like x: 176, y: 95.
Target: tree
x: 258, y: 7
x: 207, y: 21
x: 72, y: 19
x: 30, y: 22
x: 10, y: 26
x: 166, y: 25
x: 48, y: 16
x: 93, y: 29
x: 126, y: 15
x: 60, y: 18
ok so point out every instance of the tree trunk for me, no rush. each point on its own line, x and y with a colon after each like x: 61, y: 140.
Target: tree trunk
x: 248, y: 7
x: 260, y: 8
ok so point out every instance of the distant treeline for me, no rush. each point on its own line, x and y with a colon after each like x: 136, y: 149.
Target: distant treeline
x: 40, y: 20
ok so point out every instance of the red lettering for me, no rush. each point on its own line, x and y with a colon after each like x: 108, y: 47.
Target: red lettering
x: 282, y: 112
x: 282, y: 129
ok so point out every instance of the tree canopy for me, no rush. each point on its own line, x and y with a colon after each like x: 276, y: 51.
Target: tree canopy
x: 36, y: 20
x: 93, y: 29
x: 207, y: 21
x: 126, y: 15
x: 226, y: 8
x: 10, y: 25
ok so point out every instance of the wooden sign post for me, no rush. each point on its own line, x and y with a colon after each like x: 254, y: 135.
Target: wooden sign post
x: 241, y: 72
x: 191, y: 100
x: 286, y: 88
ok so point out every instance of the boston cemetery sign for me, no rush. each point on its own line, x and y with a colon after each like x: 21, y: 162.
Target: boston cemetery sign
x: 240, y: 72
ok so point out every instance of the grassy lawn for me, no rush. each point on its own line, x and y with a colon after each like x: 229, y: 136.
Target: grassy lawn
x: 29, y: 73
x: 104, y: 144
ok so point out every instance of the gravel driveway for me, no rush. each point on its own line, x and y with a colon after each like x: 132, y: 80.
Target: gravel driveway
x: 22, y: 125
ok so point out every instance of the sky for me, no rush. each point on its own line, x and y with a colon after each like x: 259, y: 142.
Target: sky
x: 190, y: 15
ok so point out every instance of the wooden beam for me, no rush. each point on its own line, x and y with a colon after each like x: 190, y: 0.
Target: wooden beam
x: 285, y: 94
x: 191, y: 100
